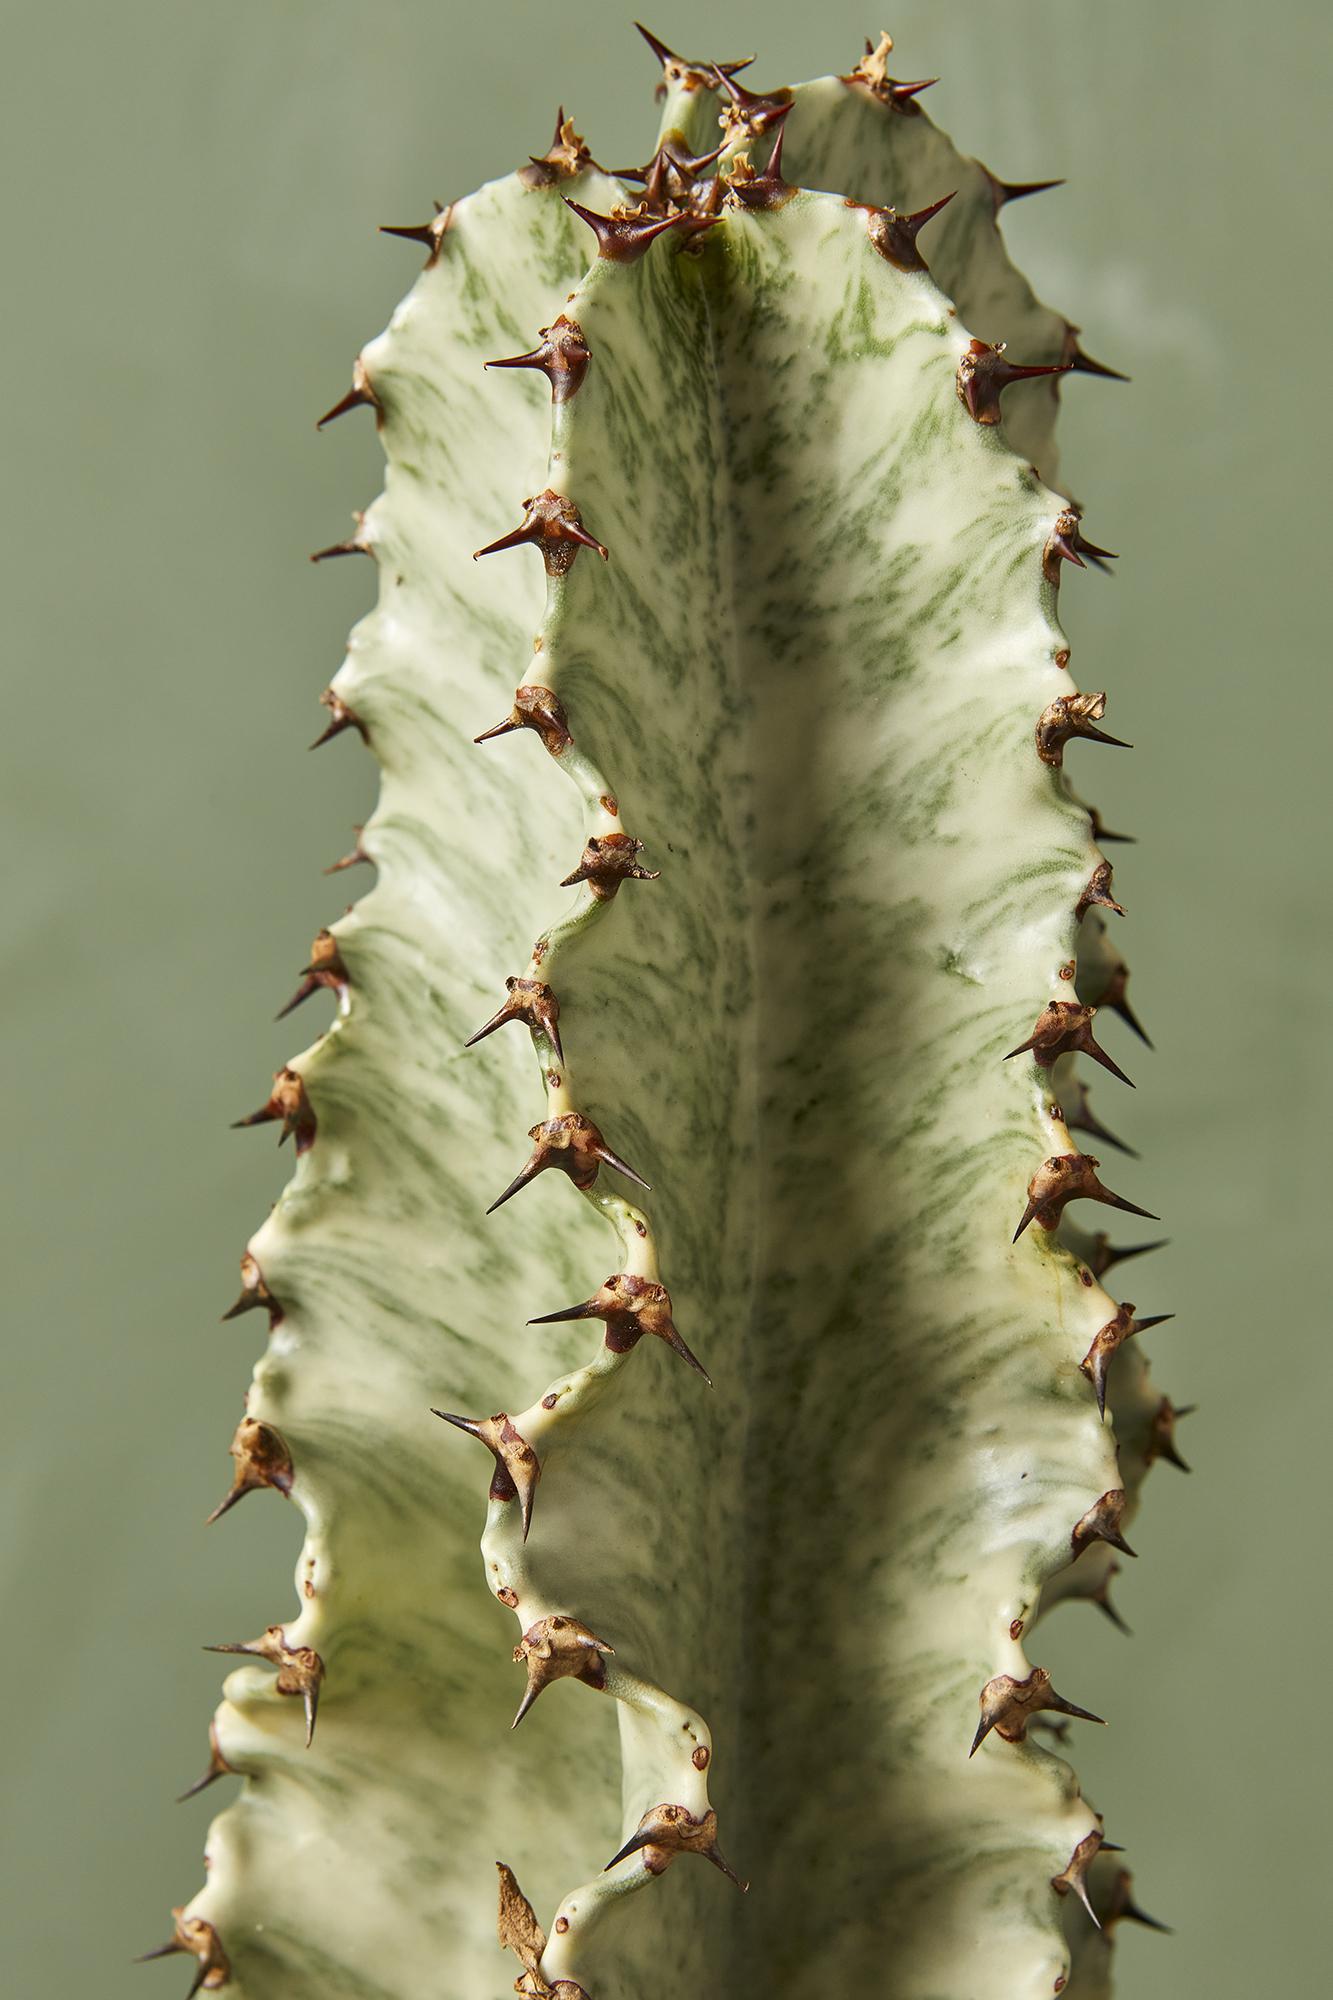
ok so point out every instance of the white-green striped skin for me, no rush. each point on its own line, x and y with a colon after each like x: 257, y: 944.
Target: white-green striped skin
x: 809, y: 677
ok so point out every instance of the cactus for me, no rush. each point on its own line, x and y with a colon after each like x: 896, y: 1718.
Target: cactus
x: 854, y: 1410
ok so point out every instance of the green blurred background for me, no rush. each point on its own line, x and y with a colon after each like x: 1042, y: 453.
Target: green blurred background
x: 192, y: 263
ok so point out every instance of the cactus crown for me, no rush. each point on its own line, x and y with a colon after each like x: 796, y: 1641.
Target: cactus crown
x: 853, y: 1410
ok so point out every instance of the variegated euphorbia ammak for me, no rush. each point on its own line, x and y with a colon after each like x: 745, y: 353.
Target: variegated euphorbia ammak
x: 795, y: 1381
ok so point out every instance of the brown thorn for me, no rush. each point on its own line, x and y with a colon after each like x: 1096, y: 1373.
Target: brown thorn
x: 517, y: 1468
x: 630, y: 1307
x: 537, y: 708
x: 1067, y: 543
x: 300, y: 1669
x: 287, y: 1102
x: 751, y: 111
x: 984, y: 373
x: 254, y: 1294
x: 532, y: 1002
x: 668, y: 1830
x: 555, y: 1648
x: 1072, y: 715
x: 552, y: 524
x: 262, y: 1459
x: 607, y: 860
x: 1063, y: 1178
x: 1083, y: 364
x: 1101, y: 1523
x: 218, y: 1767
x: 342, y: 717
x: 361, y: 394
x: 1064, y: 1027
x: 1097, y: 894
x: 562, y: 355
x: 683, y: 70
x: 1008, y: 1705
x: 352, y: 860
x: 1102, y: 833
x: 1075, y: 1874
x: 1007, y: 191
x: 573, y: 1144
x: 623, y: 239
x: 430, y: 235
x: 894, y: 235
x: 1081, y: 1119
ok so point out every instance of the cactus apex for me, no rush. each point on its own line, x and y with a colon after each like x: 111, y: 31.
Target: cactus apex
x: 538, y: 708
x: 1108, y: 1340
x: 1008, y: 1705
x: 608, y: 859
x: 574, y: 1144
x: 431, y: 234
x: 517, y: 1468
x: 198, y: 1940
x: 361, y: 394
x: 300, y: 1669
x: 984, y: 373
x: 1064, y: 1027
x: 562, y: 354
x: 668, y: 1830
x: 1067, y: 1177
x: 262, y: 1459
x: 554, y: 1648
x: 1101, y: 1523
x: 630, y: 1306
x: 894, y: 235
x: 552, y: 524
x: 1075, y: 1873
x: 532, y: 1002
x: 287, y: 1102
x: 218, y: 1767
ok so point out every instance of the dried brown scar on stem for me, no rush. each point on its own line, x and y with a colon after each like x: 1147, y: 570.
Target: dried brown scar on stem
x: 668, y: 1830
x: 533, y: 1003
x: 1107, y: 1342
x: 984, y: 373
x: 872, y: 74
x: 1071, y: 715
x: 608, y: 859
x: 516, y: 1465
x: 518, y: 1931
x: 262, y: 1459
x: 574, y: 1145
x: 1067, y: 1177
x: 1007, y: 1706
x: 555, y: 1648
x: 1101, y: 1523
x: 300, y: 1669
x: 552, y: 524
x: 630, y: 1307
x: 562, y: 355
x: 287, y: 1101
x: 198, y: 1940
x: 538, y: 708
